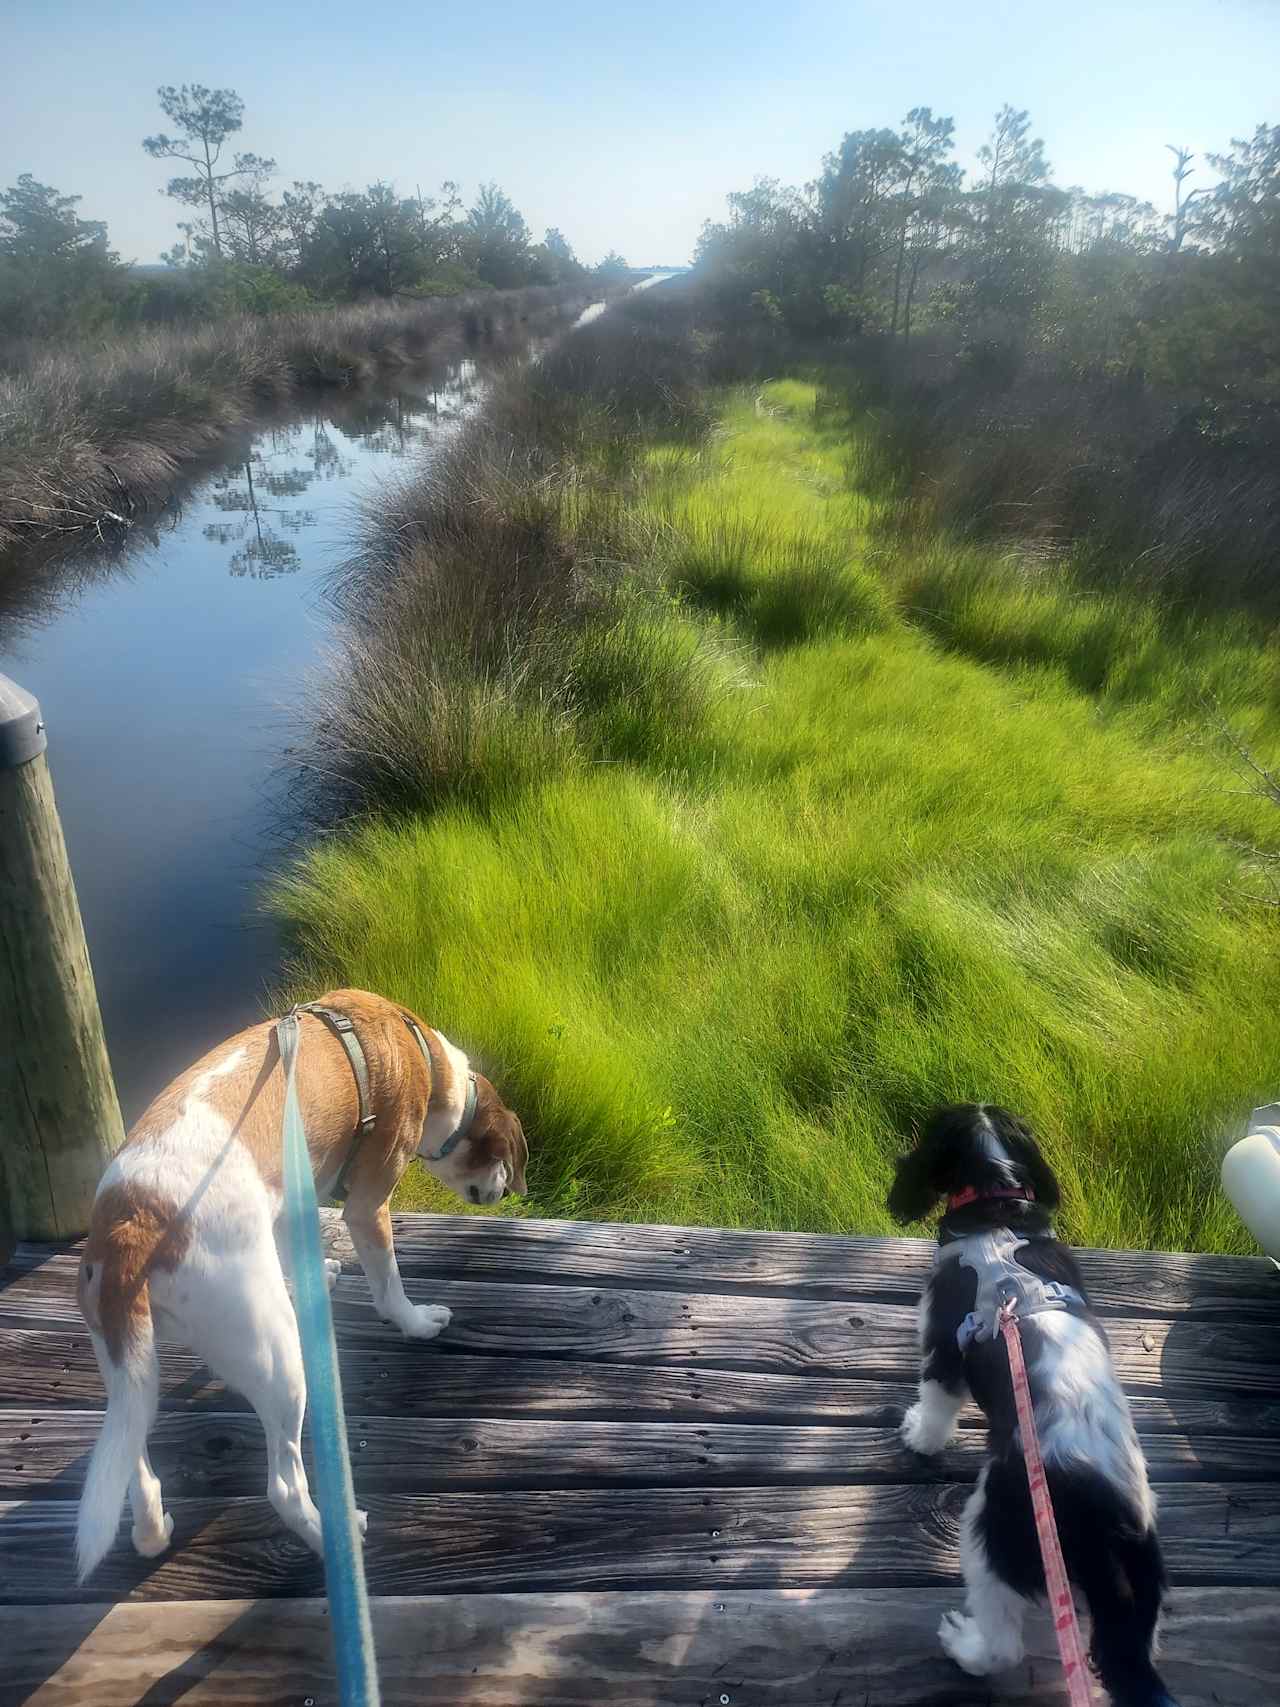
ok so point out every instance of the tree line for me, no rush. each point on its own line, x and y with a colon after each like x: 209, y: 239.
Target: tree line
x: 895, y: 235
x: 247, y: 245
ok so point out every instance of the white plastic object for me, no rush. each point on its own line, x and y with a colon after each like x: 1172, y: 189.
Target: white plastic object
x: 1251, y: 1178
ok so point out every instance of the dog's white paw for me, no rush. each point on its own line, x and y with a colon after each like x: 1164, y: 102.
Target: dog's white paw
x: 921, y: 1432
x: 332, y: 1269
x: 425, y: 1321
x: 151, y: 1543
x: 963, y: 1640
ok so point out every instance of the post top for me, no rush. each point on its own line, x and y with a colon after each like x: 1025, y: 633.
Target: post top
x: 22, y: 736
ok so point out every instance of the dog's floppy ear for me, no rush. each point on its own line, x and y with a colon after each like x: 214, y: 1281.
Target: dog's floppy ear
x: 933, y: 1167
x: 519, y: 1161
x: 913, y: 1193
x: 1039, y: 1174
x: 1043, y: 1182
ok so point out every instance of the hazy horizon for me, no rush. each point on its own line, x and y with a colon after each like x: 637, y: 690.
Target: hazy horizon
x: 626, y: 131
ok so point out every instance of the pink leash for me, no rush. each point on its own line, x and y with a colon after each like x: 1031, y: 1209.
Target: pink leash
x: 1066, y: 1626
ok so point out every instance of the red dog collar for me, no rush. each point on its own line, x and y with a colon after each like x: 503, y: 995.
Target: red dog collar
x: 971, y: 1194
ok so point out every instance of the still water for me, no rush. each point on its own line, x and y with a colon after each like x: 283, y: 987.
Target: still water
x: 171, y: 679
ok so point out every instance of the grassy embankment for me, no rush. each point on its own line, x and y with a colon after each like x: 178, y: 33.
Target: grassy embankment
x: 729, y: 839
x: 91, y: 434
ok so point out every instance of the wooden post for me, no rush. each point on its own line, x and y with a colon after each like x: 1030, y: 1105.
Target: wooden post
x: 59, y: 1116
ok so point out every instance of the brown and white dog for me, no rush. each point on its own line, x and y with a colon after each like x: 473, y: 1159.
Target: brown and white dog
x: 183, y: 1238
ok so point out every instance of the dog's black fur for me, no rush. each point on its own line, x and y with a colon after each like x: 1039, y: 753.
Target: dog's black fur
x: 1111, y: 1553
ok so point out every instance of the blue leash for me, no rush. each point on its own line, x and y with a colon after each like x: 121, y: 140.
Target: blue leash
x: 343, y: 1553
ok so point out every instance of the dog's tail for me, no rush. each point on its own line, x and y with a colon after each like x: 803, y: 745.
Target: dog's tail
x: 1117, y: 1564
x: 115, y: 1301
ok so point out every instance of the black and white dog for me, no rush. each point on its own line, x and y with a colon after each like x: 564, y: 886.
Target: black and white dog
x: 995, y: 1240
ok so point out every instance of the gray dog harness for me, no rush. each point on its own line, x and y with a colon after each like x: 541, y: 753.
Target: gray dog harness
x: 342, y: 1028
x: 340, y: 1025
x: 1002, y: 1280
x: 469, y: 1107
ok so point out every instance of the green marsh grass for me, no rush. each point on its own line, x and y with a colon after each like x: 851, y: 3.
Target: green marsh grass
x: 827, y: 834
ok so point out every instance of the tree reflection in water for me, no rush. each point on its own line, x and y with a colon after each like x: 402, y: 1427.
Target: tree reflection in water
x: 288, y: 461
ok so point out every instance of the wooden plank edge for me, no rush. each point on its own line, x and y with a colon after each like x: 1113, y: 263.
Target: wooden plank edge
x: 56, y: 1370
x: 761, y: 1647
x: 222, y: 1454
x: 802, y: 1337
x: 906, y: 1536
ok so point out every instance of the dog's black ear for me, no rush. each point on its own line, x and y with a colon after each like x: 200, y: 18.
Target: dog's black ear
x: 1043, y: 1180
x: 913, y: 1193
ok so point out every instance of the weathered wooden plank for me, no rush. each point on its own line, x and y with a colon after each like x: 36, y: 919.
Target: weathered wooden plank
x: 715, y: 1259
x: 816, y: 1265
x: 829, y: 1647
x: 802, y: 1336
x: 223, y: 1454
x: 608, y: 1324
x: 607, y: 1538
x: 51, y: 1370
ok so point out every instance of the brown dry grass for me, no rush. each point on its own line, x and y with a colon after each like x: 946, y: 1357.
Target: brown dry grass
x: 91, y: 435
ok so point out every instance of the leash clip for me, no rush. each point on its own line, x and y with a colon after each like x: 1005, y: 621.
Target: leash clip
x: 978, y: 1327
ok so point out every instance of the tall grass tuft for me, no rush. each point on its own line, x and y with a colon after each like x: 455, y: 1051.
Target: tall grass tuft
x: 498, y: 630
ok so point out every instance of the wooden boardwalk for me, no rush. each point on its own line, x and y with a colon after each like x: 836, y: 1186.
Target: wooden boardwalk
x: 644, y: 1465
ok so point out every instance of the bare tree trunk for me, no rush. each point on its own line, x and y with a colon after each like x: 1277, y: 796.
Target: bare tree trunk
x: 253, y: 498
x: 897, y: 281
x: 213, y: 200
x: 1181, y: 209
x: 902, y: 249
x: 911, y: 292
x: 387, y: 273
x: 897, y: 277
x: 1182, y: 217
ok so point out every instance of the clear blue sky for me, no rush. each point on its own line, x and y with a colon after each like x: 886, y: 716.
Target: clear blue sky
x: 623, y: 124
